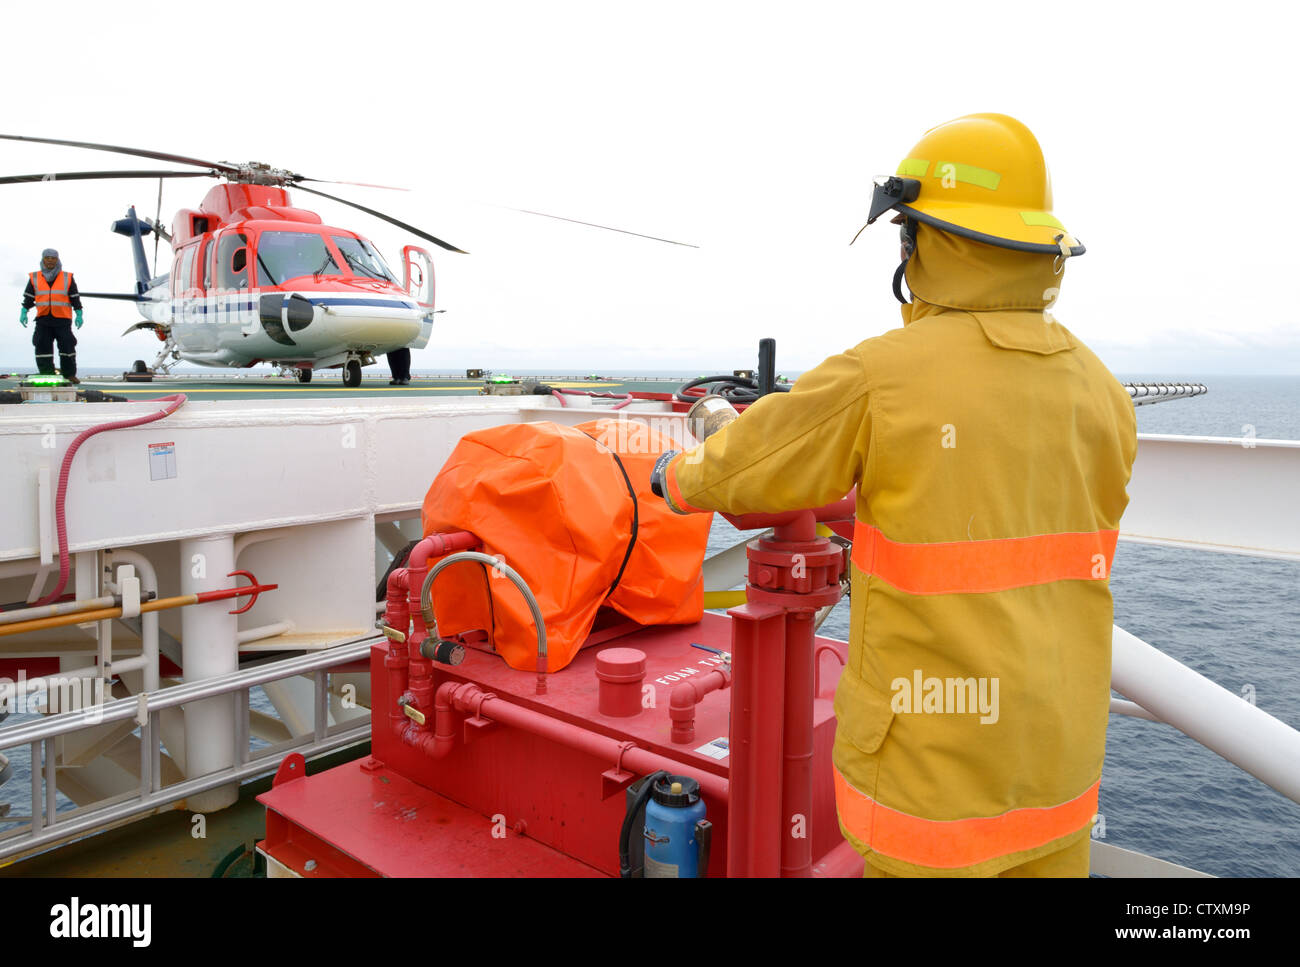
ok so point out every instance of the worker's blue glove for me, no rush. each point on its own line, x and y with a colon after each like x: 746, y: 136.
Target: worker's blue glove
x: 22, y: 318
x: 78, y: 322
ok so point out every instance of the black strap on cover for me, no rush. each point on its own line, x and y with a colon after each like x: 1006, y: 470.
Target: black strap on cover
x: 636, y: 514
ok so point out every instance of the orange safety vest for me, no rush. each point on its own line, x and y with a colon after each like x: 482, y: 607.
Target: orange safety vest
x: 52, y: 297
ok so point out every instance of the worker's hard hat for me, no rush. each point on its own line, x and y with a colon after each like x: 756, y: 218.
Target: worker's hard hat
x: 983, y: 177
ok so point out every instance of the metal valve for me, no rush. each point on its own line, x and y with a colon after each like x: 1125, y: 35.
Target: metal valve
x: 724, y: 655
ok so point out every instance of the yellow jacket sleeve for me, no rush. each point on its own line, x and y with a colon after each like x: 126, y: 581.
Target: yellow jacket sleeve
x: 788, y: 451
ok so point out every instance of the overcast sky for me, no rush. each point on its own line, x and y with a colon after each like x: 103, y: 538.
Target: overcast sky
x: 750, y: 129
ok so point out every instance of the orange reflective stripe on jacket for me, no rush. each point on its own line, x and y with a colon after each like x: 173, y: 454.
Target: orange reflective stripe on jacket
x: 674, y: 495
x: 974, y: 567
x: 962, y: 842
x: 52, y: 297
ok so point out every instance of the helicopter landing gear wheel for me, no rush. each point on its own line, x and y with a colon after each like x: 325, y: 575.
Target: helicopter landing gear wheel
x: 352, y: 373
x: 304, y: 375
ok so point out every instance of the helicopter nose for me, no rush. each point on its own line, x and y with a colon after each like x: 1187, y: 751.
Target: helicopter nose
x: 378, y: 330
x: 371, y: 324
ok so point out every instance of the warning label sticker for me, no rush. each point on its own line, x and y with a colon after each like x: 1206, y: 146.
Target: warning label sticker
x: 717, y: 749
x: 162, y: 461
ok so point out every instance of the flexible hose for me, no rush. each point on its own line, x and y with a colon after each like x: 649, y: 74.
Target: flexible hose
x: 624, y: 835
x: 733, y: 389
x: 627, y: 398
x: 426, y: 600
x: 176, y: 399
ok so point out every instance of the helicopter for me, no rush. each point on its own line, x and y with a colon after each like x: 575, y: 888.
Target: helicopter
x: 256, y: 279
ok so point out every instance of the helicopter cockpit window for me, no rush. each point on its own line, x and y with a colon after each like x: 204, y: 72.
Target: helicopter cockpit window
x: 363, y: 258
x: 232, y: 261
x: 282, y: 256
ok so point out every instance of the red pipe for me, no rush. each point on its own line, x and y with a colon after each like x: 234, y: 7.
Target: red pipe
x: 442, y: 739
x: 444, y: 719
x: 467, y: 697
x: 66, y: 468
x: 420, y: 672
x: 436, y: 545
x: 754, y: 820
x: 396, y: 663
x: 420, y: 668
x: 686, y: 695
x: 769, y: 832
x: 817, y: 665
x: 438, y: 742
x: 397, y: 616
x: 797, y: 741
x: 406, y: 660
x: 419, y: 737
x: 414, y: 580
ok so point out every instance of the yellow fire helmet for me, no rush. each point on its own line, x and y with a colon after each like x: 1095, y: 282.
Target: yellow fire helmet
x: 983, y: 177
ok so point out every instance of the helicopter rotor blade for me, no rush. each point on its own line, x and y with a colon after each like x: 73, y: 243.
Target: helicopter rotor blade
x: 97, y: 175
x: 388, y: 218
x: 299, y: 179
x: 138, y: 152
x: 608, y: 228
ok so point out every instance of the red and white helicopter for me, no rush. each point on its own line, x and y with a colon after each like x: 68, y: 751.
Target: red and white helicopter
x: 256, y: 279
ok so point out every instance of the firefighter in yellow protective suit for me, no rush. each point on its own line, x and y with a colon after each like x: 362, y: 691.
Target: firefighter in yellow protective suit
x: 991, y: 451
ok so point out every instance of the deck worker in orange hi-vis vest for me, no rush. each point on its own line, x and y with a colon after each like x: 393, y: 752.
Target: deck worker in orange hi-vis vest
x: 991, y: 451
x: 52, y: 292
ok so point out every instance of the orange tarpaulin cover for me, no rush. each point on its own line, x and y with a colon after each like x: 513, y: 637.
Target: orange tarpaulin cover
x: 556, y: 504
